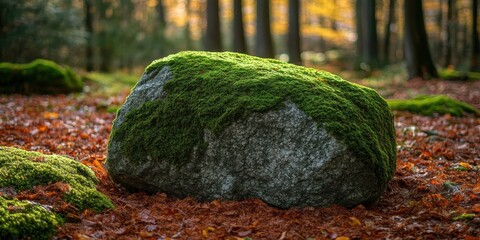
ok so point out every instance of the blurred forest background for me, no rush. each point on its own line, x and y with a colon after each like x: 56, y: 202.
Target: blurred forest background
x: 126, y: 35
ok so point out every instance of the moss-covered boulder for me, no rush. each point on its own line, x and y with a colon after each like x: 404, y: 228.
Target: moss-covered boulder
x: 38, y: 77
x: 22, y: 170
x: 433, y: 104
x: 233, y: 126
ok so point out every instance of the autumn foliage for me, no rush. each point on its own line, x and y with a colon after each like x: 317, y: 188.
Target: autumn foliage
x: 434, y: 194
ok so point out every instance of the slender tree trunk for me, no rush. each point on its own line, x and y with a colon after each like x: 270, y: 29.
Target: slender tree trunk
x: 388, y: 27
x: 439, y: 42
x: 293, y: 42
x: 239, y: 43
x: 475, y: 57
x: 449, y: 33
x: 88, y: 8
x: 358, y: 25
x: 213, y: 38
x: 417, y: 52
x: 368, y: 26
x: 263, y: 38
x: 161, y: 14
x: 188, y: 38
x: 106, y: 47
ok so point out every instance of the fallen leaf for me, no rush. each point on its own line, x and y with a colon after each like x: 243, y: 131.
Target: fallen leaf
x: 244, y: 233
x: 50, y: 115
x: 354, y: 222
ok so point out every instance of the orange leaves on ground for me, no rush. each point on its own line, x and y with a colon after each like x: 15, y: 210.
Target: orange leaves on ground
x: 435, y: 200
x: 50, y: 115
x: 416, y: 204
x: 354, y: 222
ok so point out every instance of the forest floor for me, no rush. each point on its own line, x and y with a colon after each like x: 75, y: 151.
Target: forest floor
x: 435, y: 193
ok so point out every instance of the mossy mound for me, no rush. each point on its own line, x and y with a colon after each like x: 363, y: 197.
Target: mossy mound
x: 452, y: 74
x: 38, y: 77
x: 23, y: 170
x: 26, y: 220
x: 212, y: 90
x: 430, y: 104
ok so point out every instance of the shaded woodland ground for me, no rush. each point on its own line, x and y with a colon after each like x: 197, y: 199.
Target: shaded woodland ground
x: 434, y: 194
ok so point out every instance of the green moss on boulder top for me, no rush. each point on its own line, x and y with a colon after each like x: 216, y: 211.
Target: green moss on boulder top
x: 38, y: 77
x: 26, y: 220
x: 22, y: 170
x: 429, y: 104
x: 213, y: 90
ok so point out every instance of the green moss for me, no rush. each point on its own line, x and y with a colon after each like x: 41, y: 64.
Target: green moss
x: 452, y: 74
x: 464, y: 217
x: 23, y: 170
x: 429, y: 104
x: 211, y: 90
x: 26, y: 220
x: 40, y: 76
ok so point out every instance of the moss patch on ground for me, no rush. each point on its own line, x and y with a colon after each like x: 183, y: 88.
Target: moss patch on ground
x: 430, y: 104
x: 38, y: 77
x: 212, y: 90
x: 26, y: 220
x: 452, y: 74
x: 22, y: 170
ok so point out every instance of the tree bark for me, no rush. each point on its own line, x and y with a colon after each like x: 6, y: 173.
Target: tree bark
x: 358, y: 26
x: 188, y: 38
x: 417, y: 53
x: 388, y: 26
x: 293, y: 42
x: 89, y: 51
x: 213, y: 38
x: 368, y: 28
x: 106, y: 47
x: 264, y: 43
x: 449, y: 33
x: 161, y: 14
x: 475, y: 57
x: 239, y: 43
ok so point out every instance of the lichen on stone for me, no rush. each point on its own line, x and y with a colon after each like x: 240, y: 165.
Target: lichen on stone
x: 430, y: 104
x: 213, y: 90
x: 22, y: 170
x: 40, y: 76
x: 26, y: 220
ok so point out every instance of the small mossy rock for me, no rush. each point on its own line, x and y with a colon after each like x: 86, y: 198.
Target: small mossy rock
x: 38, y: 77
x: 26, y: 220
x: 233, y: 126
x: 22, y: 170
x: 430, y: 104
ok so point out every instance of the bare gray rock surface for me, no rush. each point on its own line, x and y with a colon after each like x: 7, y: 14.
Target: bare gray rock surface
x: 281, y: 157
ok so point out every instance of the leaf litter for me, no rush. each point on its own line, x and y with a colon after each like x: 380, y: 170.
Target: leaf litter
x: 434, y: 194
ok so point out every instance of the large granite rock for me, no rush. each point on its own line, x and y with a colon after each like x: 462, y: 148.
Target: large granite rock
x: 232, y: 126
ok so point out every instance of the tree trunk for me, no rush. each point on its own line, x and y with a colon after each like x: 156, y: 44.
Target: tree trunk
x: 293, y: 43
x: 106, y: 47
x: 161, y: 14
x: 475, y: 57
x: 388, y: 26
x: 264, y: 43
x: 417, y: 53
x: 358, y: 25
x: 188, y: 38
x: 368, y: 28
x: 239, y: 43
x: 440, y: 33
x: 449, y: 33
x: 88, y: 8
x: 213, y: 38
